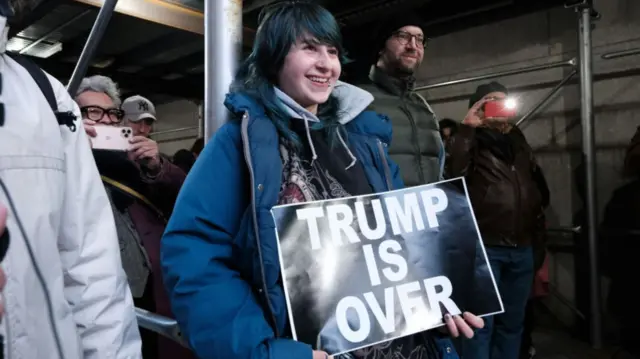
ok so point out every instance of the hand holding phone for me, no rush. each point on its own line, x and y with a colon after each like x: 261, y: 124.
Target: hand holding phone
x: 502, y: 109
x: 474, y: 117
x: 145, y: 151
x: 111, y: 138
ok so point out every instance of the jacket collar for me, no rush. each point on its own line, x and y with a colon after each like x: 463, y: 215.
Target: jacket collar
x: 395, y: 85
x: 366, y: 123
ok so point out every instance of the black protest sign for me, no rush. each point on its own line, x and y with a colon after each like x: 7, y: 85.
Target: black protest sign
x: 361, y: 270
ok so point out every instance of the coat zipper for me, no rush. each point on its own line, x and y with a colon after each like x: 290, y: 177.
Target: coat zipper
x: 416, y: 144
x: 247, y: 156
x: 385, y: 165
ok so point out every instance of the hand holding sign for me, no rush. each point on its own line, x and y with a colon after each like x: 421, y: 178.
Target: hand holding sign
x: 364, y: 270
x: 456, y: 325
x: 318, y: 354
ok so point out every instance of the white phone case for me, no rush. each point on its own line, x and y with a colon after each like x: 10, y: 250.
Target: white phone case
x: 112, y: 138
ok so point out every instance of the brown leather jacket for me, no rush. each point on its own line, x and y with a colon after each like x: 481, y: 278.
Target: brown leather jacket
x: 500, y: 173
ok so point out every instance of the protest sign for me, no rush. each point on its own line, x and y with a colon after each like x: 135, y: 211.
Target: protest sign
x: 362, y: 270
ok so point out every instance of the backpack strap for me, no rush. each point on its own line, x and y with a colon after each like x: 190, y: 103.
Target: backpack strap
x: 64, y: 118
x: 133, y: 194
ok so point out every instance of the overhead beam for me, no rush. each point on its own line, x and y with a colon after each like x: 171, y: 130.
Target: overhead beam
x: 186, y: 87
x: 45, y: 7
x: 255, y: 5
x: 179, y: 66
x: 153, y: 47
x: 182, y: 65
x: 168, y: 14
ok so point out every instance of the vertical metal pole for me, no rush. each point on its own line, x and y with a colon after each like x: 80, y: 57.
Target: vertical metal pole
x: 200, y: 119
x: 95, y: 36
x: 223, y: 39
x: 589, y: 156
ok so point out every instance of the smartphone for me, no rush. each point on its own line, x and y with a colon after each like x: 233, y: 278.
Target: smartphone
x: 112, y: 138
x: 500, y: 108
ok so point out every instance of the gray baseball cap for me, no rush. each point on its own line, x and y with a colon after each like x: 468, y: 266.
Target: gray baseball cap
x: 137, y: 108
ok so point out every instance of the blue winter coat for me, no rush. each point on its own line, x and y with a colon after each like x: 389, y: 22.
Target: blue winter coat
x: 219, y: 254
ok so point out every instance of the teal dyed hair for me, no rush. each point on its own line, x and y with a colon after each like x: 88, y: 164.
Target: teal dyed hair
x: 281, y: 26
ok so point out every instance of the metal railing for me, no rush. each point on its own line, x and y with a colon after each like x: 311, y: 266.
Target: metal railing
x: 164, y: 326
x: 525, y: 70
x: 570, y: 230
x: 175, y: 130
x: 619, y: 54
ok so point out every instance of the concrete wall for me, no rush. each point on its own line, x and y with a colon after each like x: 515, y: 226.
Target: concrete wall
x: 175, y: 115
x: 555, y: 134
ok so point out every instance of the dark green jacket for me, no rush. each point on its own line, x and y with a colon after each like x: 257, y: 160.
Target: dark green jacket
x: 416, y: 146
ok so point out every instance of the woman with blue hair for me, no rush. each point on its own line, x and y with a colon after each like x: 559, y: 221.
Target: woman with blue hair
x: 297, y: 135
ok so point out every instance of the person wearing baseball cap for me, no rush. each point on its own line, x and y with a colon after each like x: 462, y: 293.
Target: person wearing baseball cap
x: 140, y: 115
x: 396, y: 55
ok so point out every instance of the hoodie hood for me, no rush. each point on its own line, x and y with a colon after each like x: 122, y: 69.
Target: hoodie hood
x: 352, y: 101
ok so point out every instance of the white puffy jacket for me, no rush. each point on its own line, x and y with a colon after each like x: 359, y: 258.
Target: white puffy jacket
x: 53, y: 180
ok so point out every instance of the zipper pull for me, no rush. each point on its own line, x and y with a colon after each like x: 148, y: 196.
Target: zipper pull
x: 513, y: 168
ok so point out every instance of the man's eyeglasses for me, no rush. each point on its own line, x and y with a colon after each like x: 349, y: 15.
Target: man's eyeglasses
x: 97, y: 113
x: 404, y: 38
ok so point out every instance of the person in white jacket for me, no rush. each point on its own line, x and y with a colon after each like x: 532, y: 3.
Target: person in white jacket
x: 56, y: 202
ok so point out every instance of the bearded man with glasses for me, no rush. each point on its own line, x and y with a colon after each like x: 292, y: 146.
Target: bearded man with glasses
x: 417, y: 147
x: 142, y: 186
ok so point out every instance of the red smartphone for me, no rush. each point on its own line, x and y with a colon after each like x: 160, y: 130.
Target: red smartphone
x: 500, y: 108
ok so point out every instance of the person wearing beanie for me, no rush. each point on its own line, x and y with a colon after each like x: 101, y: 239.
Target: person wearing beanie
x: 448, y: 128
x: 417, y: 147
x: 508, y: 193
x: 397, y: 52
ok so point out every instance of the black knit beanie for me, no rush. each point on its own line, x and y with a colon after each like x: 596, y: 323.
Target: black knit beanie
x: 483, y: 90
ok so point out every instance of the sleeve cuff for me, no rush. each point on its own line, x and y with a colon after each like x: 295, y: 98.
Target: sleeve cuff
x: 289, y: 348
x: 148, y: 177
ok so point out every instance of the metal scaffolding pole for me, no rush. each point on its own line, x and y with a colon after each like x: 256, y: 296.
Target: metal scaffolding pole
x: 589, y: 157
x: 223, y: 40
x: 95, y: 36
x: 164, y: 326
x: 200, y: 119
x: 545, y: 100
x: 174, y: 130
x: 552, y: 65
x: 619, y: 54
